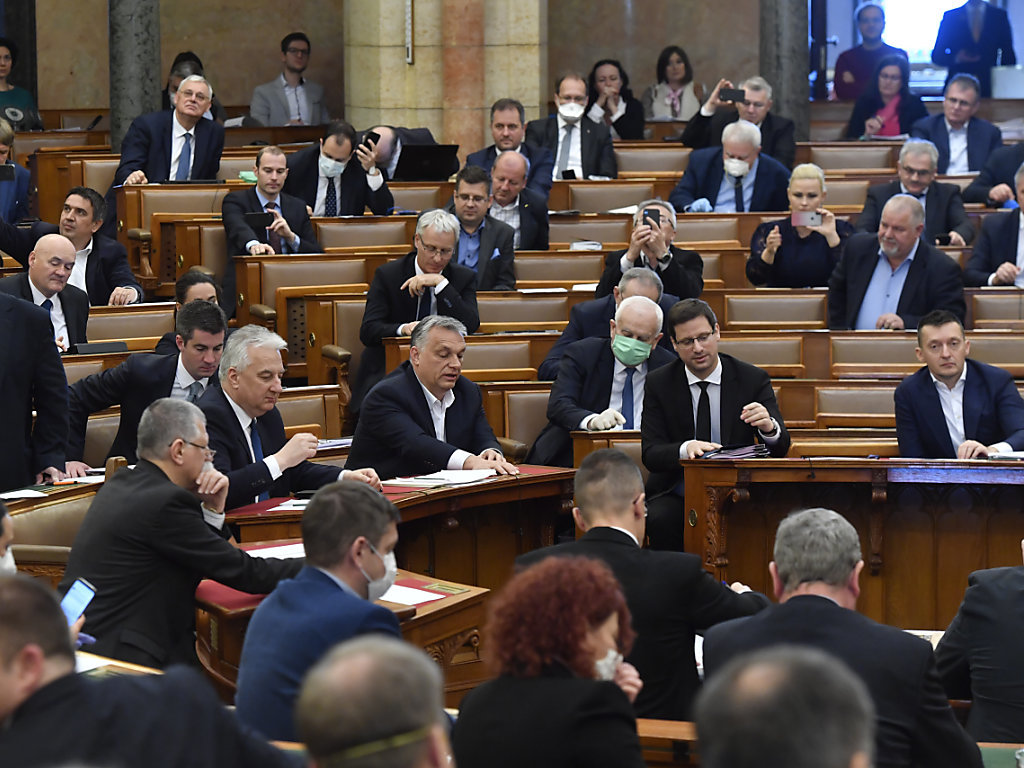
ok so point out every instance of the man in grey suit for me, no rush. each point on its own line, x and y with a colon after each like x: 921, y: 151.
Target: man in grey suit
x: 290, y: 99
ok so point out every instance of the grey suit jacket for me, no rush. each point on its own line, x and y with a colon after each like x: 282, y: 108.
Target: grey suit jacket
x: 270, y: 105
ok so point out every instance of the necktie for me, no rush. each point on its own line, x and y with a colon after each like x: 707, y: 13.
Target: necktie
x: 47, y: 305
x: 977, y: 14
x: 273, y: 239
x: 739, y: 194
x: 703, y: 430
x: 257, y: 453
x: 424, y: 306
x: 195, y: 391
x: 184, y: 160
x: 563, y: 153
x: 627, y: 399
x: 331, y: 201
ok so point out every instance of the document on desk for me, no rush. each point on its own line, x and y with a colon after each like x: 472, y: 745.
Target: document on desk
x: 283, y: 551
x: 409, y: 595
x: 22, y: 493
x: 1008, y: 456
x: 291, y: 504
x: 444, y: 477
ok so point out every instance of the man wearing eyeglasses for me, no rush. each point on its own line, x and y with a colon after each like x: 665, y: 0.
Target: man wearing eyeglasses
x: 290, y: 99
x: 484, y: 244
x: 700, y: 402
x: 964, y: 141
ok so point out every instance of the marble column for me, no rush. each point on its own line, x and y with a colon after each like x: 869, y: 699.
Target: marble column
x: 134, y: 63
x: 784, y: 60
x: 463, y: 72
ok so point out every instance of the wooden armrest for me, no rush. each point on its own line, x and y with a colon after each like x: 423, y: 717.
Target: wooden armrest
x: 335, y: 353
x: 514, y: 450
x: 136, y: 233
x: 263, y: 312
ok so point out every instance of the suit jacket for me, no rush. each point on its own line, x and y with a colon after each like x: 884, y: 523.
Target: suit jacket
x: 395, y: 434
x: 933, y: 281
x: 533, y: 221
x: 73, y: 302
x: 31, y: 378
x: 304, y: 177
x: 249, y: 479
x: 147, y: 147
x: 493, y: 272
x: 979, y: 654
x: 541, y: 162
x: 777, y: 133
x: 704, y: 173
x: 411, y: 136
x: 983, y: 138
x: 683, y: 277
x: 670, y: 597
x: 943, y: 211
x: 668, y: 416
x: 269, y: 103
x: 598, y: 157
x: 1000, y: 167
x: 996, y: 244
x: 290, y: 631
x: 590, y: 318
x: 993, y: 413
x: 955, y: 35
x: 915, y: 725
x: 14, y: 198
x: 145, y: 546
x: 583, y: 387
x: 387, y: 307
x: 911, y: 109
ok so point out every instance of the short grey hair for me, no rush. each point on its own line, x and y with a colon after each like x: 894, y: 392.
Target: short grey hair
x: 438, y: 220
x: 908, y: 203
x: 424, y: 326
x: 742, y: 130
x: 197, y: 79
x: 815, y: 545
x: 638, y: 216
x: 920, y: 147
x: 236, y: 348
x: 1017, y: 176
x: 644, y: 275
x: 758, y: 83
x: 641, y: 303
x: 163, y: 422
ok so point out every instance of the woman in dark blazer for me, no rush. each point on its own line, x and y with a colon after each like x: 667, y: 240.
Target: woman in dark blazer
x: 611, y: 102
x: 562, y: 697
x: 887, y: 107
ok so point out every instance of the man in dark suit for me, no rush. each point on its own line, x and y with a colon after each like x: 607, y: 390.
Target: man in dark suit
x: 670, y: 596
x: 576, y: 142
x: 388, y: 150
x: 815, y: 574
x: 508, y: 128
x: 591, y: 318
x: 705, y: 128
x: 994, y: 185
x: 325, y: 177
x: 963, y: 140
x: 349, y: 533
x: 994, y: 259
x: 45, y: 284
x: 143, y: 378
x: 247, y: 431
x: 955, y: 408
x: 979, y: 654
x: 600, y: 385
x: 404, y: 291
x: 425, y: 416
x: 737, y: 177
x: 974, y: 38
x: 31, y: 379
x: 523, y: 209
x: 943, y: 204
x: 700, y: 402
x: 147, y: 541
x: 192, y: 286
x: 485, y: 245
x: 650, y: 246
x: 890, y: 280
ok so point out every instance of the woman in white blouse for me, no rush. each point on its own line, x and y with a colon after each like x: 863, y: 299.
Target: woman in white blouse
x: 675, y: 96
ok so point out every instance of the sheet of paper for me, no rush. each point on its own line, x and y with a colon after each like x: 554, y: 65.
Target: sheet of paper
x: 85, y: 661
x: 87, y: 480
x: 543, y: 290
x: 585, y: 287
x: 291, y: 504
x: 22, y: 493
x: 283, y: 551
x: 341, y: 442
x: 444, y: 477
x: 409, y: 595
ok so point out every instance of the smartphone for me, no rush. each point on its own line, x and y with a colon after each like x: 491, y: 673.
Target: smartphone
x: 568, y: 174
x: 371, y: 136
x: 653, y: 215
x: 942, y: 239
x: 6, y: 172
x: 737, y: 95
x: 76, y: 600
x: 806, y: 219
x: 259, y: 219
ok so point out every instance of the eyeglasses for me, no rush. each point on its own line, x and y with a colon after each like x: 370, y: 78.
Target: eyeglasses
x: 687, y: 343
x: 208, y: 452
x: 917, y: 172
x: 478, y: 199
x: 298, y: 51
x: 197, y: 95
x: 433, y: 250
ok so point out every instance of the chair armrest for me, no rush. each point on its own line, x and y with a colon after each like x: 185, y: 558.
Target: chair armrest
x: 136, y: 233
x: 263, y: 312
x: 335, y: 353
x: 514, y: 450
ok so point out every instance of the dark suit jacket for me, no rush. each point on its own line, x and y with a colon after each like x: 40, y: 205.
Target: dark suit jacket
x: 670, y: 596
x: 14, y: 198
x: 290, y: 631
x: 533, y: 221
x: 684, y: 276
x: 395, y: 434
x: 704, y: 173
x: 668, y: 416
x: 145, y: 547
x: 416, y: 136
x: 993, y: 413
x: 996, y: 244
x: 583, y: 387
x: 31, y: 378
x: 955, y: 35
x: 73, y: 301
x: 1000, y: 167
x: 915, y: 724
x: 304, y: 177
x: 538, y: 175
x: 590, y: 318
x: 249, y: 479
x: 979, y: 655
x: 777, y: 133
x: 934, y: 281
x: 146, y: 147
x: 493, y: 273
x: 983, y: 138
x: 598, y: 157
x: 943, y: 211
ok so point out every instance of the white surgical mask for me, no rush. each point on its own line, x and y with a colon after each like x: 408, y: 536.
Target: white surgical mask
x: 330, y: 167
x: 571, y: 112
x: 605, y: 668
x: 7, y: 564
x: 737, y: 168
x: 375, y: 588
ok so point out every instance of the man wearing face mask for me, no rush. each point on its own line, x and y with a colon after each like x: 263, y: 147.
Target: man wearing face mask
x: 578, y: 143
x: 600, y: 385
x: 349, y: 532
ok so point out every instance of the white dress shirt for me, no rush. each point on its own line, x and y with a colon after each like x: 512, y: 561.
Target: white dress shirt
x: 374, y: 181
x: 57, y: 320
x: 183, y: 380
x: 957, y: 149
x: 298, y: 104
x: 952, y: 402
x: 178, y: 132
x: 438, y: 409
x: 433, y: 296
x: 618, y: 384
x: 77, y: 277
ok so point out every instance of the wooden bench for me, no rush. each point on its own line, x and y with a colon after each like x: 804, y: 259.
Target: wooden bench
x: 140, y: 326
x: 516, y: 311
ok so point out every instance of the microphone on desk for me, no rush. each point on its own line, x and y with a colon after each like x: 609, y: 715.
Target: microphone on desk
x: 94, y: 123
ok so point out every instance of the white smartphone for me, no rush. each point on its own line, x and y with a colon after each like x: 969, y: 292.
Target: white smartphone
x: 806, y: 219
x: 76, y: 600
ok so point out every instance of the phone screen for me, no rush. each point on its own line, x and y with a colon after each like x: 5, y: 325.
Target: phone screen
x: 259, y: 219
x: 76, y: 600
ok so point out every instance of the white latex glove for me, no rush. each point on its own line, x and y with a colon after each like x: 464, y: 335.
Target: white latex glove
x: 609, y: 418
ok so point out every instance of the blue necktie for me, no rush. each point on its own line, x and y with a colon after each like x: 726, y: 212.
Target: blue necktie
x: 424, y: 307
x: 257, y: 453
x: 47, y: 305
x: 738, y: 188
x: 184, y: 160
x: 627, y: 399
x: 331, y: 201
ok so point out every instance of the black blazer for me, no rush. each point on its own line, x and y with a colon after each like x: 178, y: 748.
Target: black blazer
x: 583, y: 387
x: 1002, y: 164
x: 146, y: 147
x: 996, y: 244
x: 73, y: 301
x: 777, y: 133
x: 670, y: 597
x: 684, y: 276
x: 304, y: 177
x: 911, y: 110
x: 703, y: 178
x: 629, y: 127
x: 598, y: 157
x: 668, y: 416
x: 915, y: 725
x: 31, y: 378
x: 533, y: 221
x: 943, y: 211
x: 249, y: 479
x: 541, y: 163
x: 493, y: 272
x: 983, y: 139
x: 934, y: 281
x: 955, y: 36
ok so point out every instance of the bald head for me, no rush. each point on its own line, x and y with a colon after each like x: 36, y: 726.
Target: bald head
x: 50, y: 264
x: 508, y: 177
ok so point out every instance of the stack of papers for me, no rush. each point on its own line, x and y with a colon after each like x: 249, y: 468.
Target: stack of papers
x: 340, y: 442
x: 444, y: 477
x: 756, y: 451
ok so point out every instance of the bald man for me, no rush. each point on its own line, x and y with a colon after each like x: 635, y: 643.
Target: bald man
x: 515, y: 204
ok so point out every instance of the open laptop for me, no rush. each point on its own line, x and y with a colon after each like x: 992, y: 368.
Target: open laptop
x: 427, y: 162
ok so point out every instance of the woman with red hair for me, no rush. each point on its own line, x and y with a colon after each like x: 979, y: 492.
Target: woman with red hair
x: 556, y: 635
